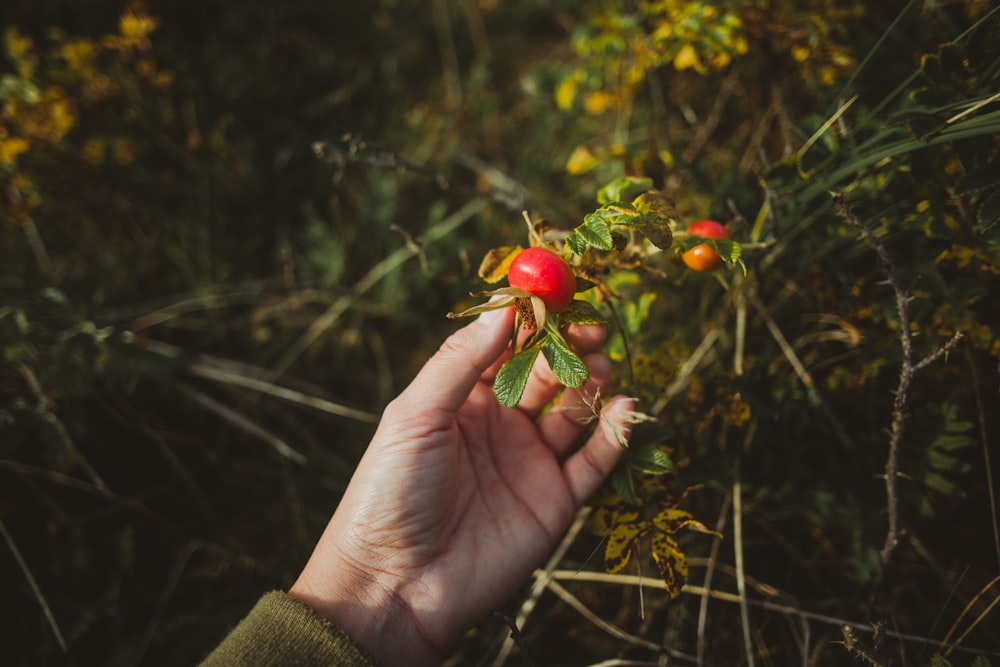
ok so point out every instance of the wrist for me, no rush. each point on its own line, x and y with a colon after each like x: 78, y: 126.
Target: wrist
x: 368, y: 607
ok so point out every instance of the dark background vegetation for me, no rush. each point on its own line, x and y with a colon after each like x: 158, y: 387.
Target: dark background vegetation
x: 147, y: 295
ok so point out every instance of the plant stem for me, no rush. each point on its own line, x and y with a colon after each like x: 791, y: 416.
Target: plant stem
x: 906, y: 373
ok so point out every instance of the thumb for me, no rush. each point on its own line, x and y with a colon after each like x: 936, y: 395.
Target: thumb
x: 447, y: 379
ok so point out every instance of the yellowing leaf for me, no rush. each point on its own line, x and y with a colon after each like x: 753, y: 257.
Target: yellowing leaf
x: 671, y: 563
x: 581, y: 160
x: 671, y: 519
x: 621, y: 539
x: 581, y: 312
x: 604, y: 517
x: 496, y: 263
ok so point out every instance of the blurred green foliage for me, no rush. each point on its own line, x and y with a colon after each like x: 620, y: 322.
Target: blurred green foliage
x: 172, y: 248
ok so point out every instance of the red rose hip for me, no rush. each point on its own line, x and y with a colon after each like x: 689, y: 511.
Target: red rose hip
x: 544, y: 274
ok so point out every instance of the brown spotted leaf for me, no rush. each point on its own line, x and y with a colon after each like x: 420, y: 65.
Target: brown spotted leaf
x: 671, y: 563
x: 621, y: 538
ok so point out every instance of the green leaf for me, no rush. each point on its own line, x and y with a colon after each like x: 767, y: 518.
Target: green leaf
x: 980, y: 661
x: 594, y: 232
x: 730, y: 251
x: 654, y: 226
x: 975, y: 181
x: 635, y: 313
x: 568, y: 368
x: 577, y: 243
x: 938, y: 660
x: 651, y: 460
x: 988, y: 216
x: 582, y: 312
x: 625, y: 188
x: 513, y: 377
x: 943, y: 485
x: 624, y: 484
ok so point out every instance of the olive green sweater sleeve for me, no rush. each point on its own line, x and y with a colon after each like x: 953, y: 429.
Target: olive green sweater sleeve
x: 282, y: 631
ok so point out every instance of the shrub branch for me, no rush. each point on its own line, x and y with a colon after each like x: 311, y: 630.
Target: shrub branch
x: 908, y: 369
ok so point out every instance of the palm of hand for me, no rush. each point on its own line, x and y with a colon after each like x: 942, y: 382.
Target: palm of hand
x: 457, y: 498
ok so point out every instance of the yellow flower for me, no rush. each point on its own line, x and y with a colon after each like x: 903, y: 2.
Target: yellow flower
x: 19, y: 49
x: 79, y: 53
x: 566, y: 92
x: 687, y: 58
x: 136, y: 26
x: 11, y: 148
x: 18, y: 46
x: 598, y: 102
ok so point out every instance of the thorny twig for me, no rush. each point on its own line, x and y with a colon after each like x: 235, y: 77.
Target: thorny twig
x: 870, y: 655
x: 907, y: 371
x: 515, y: 635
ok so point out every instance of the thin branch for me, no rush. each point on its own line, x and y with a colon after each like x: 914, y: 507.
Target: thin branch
x: 597, y: 621
x: 786, y: 348
x: 49, y: 616
x: 252, y: 377
x: 709, y: 571
x: 451, y: 78
x: 42, y: 403
x: 515, y: 636
x: 984, y: 439
x: 968, y: 608
x: 542, y: 578
x: 740, y: 334
x: 687, y: 370
x: 907, y: 371
x: 242, y: 422
x: 609, y: 300
x: 632, y: 580
x: 800, y: 370
x: 741, y: 585
x: 73, y: 483
x: 973, y: 625
x: 355, y: 150
x: 325, y: 321
x: 711, y: 122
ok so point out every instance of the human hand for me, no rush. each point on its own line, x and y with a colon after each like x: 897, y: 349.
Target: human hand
x: 458, y: 499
